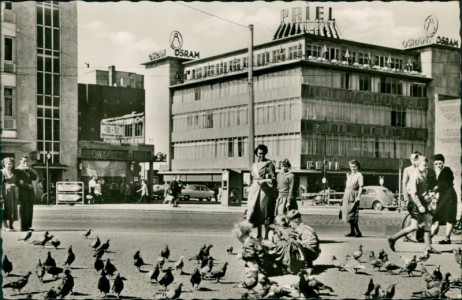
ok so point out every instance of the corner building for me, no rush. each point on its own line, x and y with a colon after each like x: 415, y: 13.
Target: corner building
x: 39, y: 85
x: 319, y: 101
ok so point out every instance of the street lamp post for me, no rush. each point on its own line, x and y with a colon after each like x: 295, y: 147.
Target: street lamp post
x: 47, y: 160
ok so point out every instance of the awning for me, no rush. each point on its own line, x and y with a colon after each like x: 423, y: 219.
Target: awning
x: 104, y: 168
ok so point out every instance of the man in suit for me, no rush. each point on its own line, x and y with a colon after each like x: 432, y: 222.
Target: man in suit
x: 24, y: 176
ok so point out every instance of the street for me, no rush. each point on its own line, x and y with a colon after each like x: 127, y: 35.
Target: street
x: 185, y: 231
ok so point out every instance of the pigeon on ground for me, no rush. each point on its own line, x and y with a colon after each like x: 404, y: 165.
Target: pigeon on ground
x: 99, y: 264
x: 44, y: 241
x: 425, y: 256
x: 40, y: 270
x: 165, y: 253
x: 426, y: 276
x: 103, y: 284
x: 388, y: 265
x: 49, y: 261
x: 45, y: 236
x: 154, y: 273
x: 118, y: 285
x: 109, y: 268
x: 56, y: 243
x: 200, y: 256
x: 218, y: 274
x: 374, y: 261
x: 381, y: 254
x: 7, y: 266
x: 167, y: 279
x: 52, y: 294
x: 138, y: 263
x: 390, y: 291
x: 318, y: 285
x: 437, y: 273
x: 53, y: 270
x: 375, y: 292
x: 137, y: 254
x: 87, y: 234
x: 207, y: 268
x: 195, y: 278
x: 207, y: 250
x: 161, y: 261
x: 437, y: 279
x: 99, y: 253
x: 104, y: 247
x: 358, y: 253
x: 250, y: 281
x: 26, y: 237
x: 96, y: 243
x: 457, y: 254
x: 19, y: 284
x: 230, y: 249
x: 67, y: 284
x: 304, y: 288
x: 174, y: 292
x: 370, y: 288
x: 409, y: 265
x: 351, y: 265
x: 70, y: 257
x: 178, y: 266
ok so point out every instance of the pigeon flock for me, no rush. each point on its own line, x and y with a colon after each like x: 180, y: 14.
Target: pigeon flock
x: 190, y: 274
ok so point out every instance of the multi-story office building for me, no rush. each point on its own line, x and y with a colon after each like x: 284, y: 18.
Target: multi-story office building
x: 319, y: 101
x: 111, y: 126
x: 39, y: 84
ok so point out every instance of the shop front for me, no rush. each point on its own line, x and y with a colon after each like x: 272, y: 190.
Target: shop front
x: 117, y: 168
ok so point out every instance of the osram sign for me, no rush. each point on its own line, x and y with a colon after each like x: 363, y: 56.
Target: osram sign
x: 176, y: 43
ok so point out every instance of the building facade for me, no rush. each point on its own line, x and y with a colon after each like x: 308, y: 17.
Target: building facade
x: 319, y: 101
x: 39, y: 84
x: 111, y: 133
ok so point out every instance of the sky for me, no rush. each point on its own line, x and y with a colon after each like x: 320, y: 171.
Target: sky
x: 125, y: 33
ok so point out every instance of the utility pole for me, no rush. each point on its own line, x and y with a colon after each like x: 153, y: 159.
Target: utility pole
x: 47, y: 158
x: 251, y: 100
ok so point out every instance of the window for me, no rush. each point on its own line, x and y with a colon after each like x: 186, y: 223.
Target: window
x: 8, y: 49
x: 313, y: 50
x: 398, y: 117
x: 8, y: 5
x: 334, y: 53
x: 345, y: 81
x: 139, y: 129
x: 128, y: 130
x: 295, y: 52
x: 197, y: 93
x: 418, y: 90
x: 391, y: 86
x: 364, y: 83
x: 8, y: 104
x: 363, y: 58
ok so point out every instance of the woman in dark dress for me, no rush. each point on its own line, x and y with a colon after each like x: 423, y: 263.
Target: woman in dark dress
x: 9, y: 193
x: 446, y: 209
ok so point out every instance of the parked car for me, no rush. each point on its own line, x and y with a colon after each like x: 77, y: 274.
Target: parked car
x: 197, y: 191
x: 158, y: 191
x: 378, y: 197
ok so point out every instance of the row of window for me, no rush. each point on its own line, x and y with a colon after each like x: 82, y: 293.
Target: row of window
x: 358, y: 146
x: 312, y: 109
x: 339, y: 111
x: 293, y: 144
x: 48, y: 79
x: 292, y: 52
x: 317, y: 77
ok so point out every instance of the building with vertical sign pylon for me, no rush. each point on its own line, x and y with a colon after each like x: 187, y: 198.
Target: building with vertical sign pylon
x: 320, y: 100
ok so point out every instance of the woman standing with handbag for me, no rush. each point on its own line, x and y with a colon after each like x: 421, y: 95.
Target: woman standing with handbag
x: 9, y: 193
x: 351, y: 197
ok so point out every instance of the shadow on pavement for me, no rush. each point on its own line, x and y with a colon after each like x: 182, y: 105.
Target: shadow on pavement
x: 318, y: 269
x: 330, y: 242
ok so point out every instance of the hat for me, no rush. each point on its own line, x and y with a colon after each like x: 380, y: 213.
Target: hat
x: 438, y: 157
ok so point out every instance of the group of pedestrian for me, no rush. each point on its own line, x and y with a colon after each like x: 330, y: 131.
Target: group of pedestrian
x: 17, y: 193
x: 288, y: 245
x: 95, y: 190
x: 431, y: 200
x: 173, y: 191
